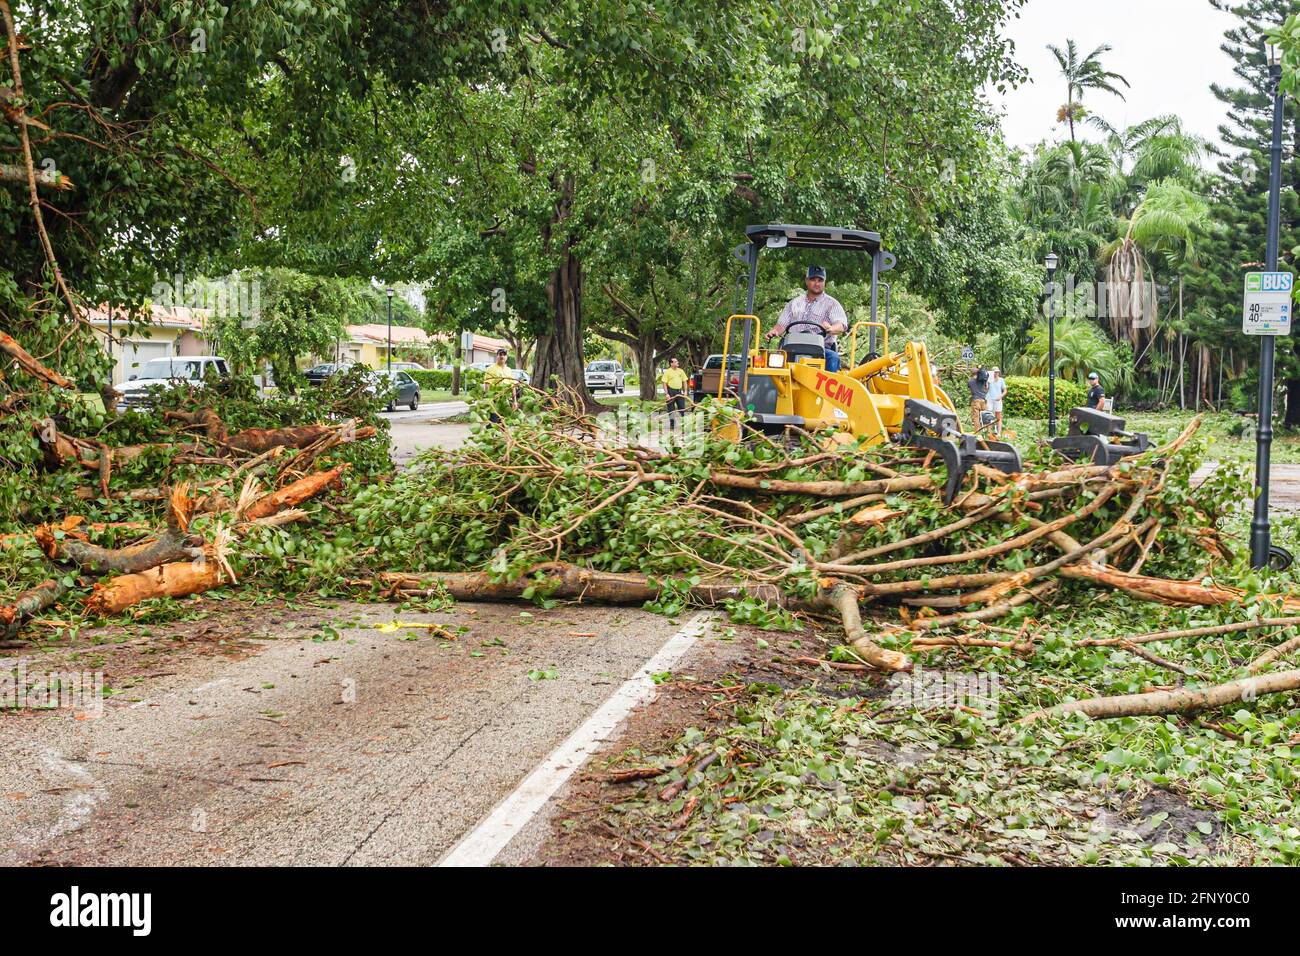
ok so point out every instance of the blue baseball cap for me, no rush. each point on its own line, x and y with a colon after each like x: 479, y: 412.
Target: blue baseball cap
x: 816, y: 272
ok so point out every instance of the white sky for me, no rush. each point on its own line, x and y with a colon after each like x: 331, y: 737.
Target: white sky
x: 1168, y: 50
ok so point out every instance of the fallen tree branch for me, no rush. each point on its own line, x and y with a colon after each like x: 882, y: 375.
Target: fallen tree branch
x: 1181, y: 701
x: 28, y: 604
x: 844, y: 599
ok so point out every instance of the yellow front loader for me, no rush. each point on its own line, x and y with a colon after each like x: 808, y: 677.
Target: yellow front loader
x: 887, y: 397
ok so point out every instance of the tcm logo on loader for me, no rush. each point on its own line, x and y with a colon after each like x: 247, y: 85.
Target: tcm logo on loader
x: 833, y: 389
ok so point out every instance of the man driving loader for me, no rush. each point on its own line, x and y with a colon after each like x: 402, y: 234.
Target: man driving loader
x: 817, y: 310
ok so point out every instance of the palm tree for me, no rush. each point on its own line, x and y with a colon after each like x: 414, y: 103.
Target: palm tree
x: 1080, y: 75
x: 1157, y: 148
x: 1164, y: 228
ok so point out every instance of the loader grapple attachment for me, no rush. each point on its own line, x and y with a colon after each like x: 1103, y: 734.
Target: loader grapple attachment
x: 932, y: 427
x: 1100, y: 437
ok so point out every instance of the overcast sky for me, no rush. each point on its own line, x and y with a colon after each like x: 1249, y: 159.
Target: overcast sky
x: 1168, y: 50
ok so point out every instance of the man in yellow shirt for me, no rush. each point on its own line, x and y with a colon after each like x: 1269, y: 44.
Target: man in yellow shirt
x: 498, y: 374
x: 673, y: 379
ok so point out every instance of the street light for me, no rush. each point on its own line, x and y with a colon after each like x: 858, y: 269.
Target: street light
x: 390, y: 331
x: 1260, y: 544
x: 1051, y: 262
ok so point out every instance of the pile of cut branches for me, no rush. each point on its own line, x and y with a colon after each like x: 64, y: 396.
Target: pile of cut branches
x: 551, y: 505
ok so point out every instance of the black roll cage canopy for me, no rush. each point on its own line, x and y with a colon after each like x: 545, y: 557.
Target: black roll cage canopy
x: 775, y: 235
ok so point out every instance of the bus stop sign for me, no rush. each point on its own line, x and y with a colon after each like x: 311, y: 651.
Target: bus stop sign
x: 1267, y: 308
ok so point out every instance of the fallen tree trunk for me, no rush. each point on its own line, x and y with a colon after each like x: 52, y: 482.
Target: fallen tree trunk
x: 563, y: 580
x: 1181, y: 701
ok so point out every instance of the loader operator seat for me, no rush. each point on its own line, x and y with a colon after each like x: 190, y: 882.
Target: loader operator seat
x: 804, y: 340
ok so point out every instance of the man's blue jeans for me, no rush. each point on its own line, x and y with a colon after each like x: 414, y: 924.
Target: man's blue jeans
x: 832, y: 360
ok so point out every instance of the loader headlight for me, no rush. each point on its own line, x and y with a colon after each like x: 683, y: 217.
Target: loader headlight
x: 776, y: 360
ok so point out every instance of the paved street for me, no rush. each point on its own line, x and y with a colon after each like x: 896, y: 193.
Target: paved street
x: 373, y: 748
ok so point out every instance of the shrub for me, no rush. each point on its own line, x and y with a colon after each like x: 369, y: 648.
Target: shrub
x: 1027, y: 397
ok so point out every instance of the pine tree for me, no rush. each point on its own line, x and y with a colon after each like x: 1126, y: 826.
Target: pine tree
x: 1240, y: 191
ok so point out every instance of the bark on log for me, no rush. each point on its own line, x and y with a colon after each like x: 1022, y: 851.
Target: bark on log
x: 1182, y: 701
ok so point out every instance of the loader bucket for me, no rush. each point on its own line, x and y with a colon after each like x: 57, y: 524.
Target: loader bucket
x: 930, y: 426
x: 1098, y: 437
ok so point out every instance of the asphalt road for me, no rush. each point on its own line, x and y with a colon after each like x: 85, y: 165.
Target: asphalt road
x: 370, y: 749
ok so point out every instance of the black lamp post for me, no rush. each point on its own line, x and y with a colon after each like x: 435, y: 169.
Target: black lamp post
x: 1259, y: 531
x: 1051, y: 262
x: 390, y: 331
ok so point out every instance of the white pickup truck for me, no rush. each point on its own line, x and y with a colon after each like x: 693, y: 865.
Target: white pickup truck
x: 180, y: 371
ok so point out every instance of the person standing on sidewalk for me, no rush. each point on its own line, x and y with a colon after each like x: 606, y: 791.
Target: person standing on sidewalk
x: 673, y: 379
x: 979, y: 395
x: 498, y: 375
x: 997, y: 392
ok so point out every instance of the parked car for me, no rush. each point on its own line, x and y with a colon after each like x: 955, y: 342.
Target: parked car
x: 406, y: 390
x: 705, y: 381
x: 523, y: 377
x: 605, y: 374
x: 181, y: 371
x: 317, y: 374
x: 407, y: 367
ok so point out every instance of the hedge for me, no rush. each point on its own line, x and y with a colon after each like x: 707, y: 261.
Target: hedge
x: 439, y: 380
x: 1027, y: 397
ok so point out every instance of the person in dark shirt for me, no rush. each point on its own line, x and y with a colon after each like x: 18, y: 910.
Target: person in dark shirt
x: 1096, y: 394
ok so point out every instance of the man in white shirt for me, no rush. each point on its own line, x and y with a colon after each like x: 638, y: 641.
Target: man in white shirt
x: 997, y: 391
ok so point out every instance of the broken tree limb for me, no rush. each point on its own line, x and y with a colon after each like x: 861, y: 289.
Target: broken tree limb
x: 28, y: 604
x: 177, y: 579
x: 1207, y: 631
x: 9, y: 345
x: 844, y: 599
x: 1181, y: 701
x: 1269, y: 656
x: 294, y: 494
x: 823, y: 489
x: 1164, y: 591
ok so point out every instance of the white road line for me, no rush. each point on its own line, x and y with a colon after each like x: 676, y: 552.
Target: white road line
x: 482, y: 845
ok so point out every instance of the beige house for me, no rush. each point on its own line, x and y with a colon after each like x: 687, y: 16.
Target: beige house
x: 177, y: 330
x: 369, y: 344
x: 174, y: 330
